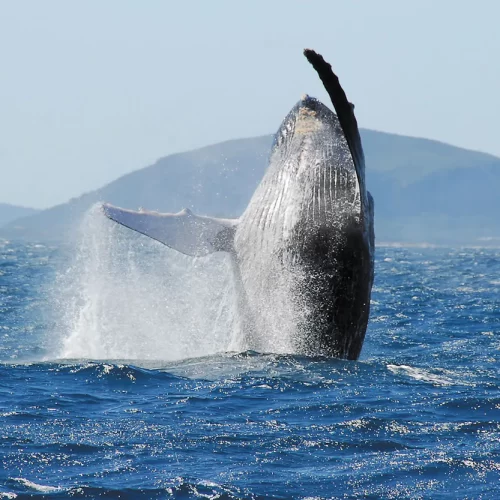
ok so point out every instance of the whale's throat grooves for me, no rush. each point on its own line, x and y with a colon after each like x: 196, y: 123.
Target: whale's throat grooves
x: 294, y: 240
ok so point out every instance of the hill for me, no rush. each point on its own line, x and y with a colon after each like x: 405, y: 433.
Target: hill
x: 9, y: 213
x: 424, y: 190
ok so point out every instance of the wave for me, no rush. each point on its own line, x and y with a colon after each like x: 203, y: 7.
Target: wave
x: 425, y: 375
x: 35, y: 486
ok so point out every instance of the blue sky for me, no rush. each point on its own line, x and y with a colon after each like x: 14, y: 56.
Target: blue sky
x: 90, y: 90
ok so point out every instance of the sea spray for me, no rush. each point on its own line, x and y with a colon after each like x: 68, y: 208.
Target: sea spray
x: 125, y: 296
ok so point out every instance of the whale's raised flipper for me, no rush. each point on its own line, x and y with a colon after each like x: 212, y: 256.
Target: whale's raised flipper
x: 185, y: 232
x: 343, y: 108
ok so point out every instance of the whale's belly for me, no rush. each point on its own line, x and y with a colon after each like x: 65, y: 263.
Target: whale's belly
x: 299, y: 245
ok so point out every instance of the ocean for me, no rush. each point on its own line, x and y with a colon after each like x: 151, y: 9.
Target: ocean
x: 120, y: 377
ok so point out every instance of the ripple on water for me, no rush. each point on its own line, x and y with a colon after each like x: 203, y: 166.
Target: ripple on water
x: 416, y: 416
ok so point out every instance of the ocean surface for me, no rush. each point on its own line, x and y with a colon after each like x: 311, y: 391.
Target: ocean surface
x: 119, y: 379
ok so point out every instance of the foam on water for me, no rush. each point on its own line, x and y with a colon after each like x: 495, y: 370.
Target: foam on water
x: 421, y: 374
x: 36, y: 487
x: 126, y: 296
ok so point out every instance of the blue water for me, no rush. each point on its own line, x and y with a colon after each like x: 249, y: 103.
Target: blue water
x: 416, y: 417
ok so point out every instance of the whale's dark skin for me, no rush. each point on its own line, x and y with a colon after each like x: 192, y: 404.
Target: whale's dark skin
x: 341, y: 259
x: 304, y: 247
x: 312, y: 215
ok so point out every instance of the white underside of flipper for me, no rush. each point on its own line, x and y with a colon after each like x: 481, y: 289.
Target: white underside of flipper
x: 184, y: 231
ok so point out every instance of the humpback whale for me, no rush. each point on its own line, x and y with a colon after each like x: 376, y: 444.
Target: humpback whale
x: 303, y: 250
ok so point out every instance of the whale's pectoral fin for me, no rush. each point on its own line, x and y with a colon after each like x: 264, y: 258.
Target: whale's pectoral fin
x: 343, y: 108
x: 184, y: 231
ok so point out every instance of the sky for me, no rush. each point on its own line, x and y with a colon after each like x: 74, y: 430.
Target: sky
x: 91, y: 90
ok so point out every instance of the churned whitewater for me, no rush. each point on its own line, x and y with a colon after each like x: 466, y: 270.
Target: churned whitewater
x: 126, y: 373
x: 126, y: 296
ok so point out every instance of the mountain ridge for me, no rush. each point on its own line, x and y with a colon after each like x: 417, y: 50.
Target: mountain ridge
x: 10, y: 212
x: 418, y: 184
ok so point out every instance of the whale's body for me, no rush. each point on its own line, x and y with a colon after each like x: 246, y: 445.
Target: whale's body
x: 303, y: 250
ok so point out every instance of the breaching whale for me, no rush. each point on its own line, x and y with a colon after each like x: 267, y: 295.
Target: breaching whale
x: 303, y: 250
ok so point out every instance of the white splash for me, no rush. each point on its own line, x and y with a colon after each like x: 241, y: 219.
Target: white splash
x: 126, y: 296
x: 37, y: 487
x: 423, y: 375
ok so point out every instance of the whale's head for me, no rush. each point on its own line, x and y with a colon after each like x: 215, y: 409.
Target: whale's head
x: 311, y: 150
x: 308, y: 120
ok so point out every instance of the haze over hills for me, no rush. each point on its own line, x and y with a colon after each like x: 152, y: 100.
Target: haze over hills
x: 425, y: 191
x: 8, y: 212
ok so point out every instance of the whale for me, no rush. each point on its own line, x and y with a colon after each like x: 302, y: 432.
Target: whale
x: 302, y: 252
